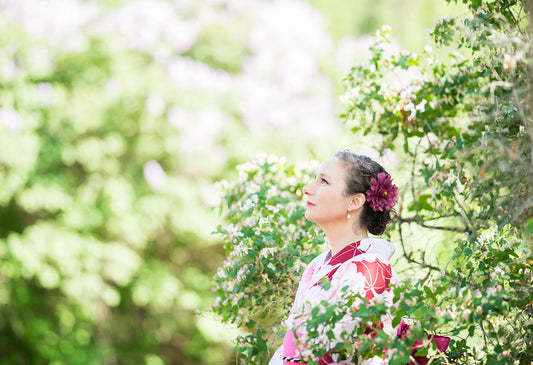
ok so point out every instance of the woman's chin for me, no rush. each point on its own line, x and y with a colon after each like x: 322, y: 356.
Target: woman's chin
x: 308, y: 216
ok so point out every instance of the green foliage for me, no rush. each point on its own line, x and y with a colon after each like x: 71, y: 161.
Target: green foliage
x: 463, y: 122
x: 268, y: 240
x: 91, y: 251
x: 223, y: 46
x: 464, y: 125
x: 462, y: 119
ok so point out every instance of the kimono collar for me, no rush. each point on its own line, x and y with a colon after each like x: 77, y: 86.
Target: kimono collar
x: 378, y: 246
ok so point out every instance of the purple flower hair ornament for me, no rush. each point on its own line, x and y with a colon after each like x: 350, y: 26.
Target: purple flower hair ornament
x: 383, y: 193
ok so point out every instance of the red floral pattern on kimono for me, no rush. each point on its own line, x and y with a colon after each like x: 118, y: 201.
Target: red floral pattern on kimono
x: 362, y: 266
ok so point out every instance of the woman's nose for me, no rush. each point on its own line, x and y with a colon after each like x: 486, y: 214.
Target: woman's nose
x: 306, y: 189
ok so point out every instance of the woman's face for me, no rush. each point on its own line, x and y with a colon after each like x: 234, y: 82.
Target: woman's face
x: 326, y: 201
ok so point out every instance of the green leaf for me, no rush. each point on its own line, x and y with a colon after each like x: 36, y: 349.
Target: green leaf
x: 422, y: 351
x: 528, y: 228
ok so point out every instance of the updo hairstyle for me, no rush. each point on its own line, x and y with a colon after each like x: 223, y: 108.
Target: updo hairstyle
x: 359, y: 170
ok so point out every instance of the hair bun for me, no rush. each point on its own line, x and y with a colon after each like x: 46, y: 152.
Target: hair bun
x: 366, y: 176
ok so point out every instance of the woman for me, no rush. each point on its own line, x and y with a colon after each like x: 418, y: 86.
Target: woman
x: 351, y: 196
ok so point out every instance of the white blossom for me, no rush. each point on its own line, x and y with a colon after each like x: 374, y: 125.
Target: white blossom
x: 10, y: 119
x: 155, y: 105
x: 154, y: 175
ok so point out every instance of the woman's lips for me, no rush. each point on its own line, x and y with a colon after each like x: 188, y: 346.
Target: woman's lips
x: 309, y: 204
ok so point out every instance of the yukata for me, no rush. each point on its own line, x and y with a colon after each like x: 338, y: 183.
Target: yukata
x: 363, y: 266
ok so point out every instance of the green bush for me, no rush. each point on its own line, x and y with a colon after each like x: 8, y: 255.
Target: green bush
x: 463, y: 124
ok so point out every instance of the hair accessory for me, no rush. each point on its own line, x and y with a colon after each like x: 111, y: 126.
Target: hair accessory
x: 383, y: 193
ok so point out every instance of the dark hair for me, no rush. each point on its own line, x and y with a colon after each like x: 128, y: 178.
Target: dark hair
x: 359, y: 170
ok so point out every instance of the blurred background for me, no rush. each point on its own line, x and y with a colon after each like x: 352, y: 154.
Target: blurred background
x: 116, y: 118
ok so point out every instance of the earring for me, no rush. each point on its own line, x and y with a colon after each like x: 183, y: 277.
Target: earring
x: 349, y: 216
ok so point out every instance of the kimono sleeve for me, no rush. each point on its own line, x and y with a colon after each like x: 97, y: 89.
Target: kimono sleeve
x: 306, y: 280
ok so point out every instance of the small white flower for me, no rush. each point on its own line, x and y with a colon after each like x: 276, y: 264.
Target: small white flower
x: 10, y: 119
x: 154, y: 175
x: 421, y: 106
x: 248, y: 204
x: 249, y: 222
x: 155, y: 105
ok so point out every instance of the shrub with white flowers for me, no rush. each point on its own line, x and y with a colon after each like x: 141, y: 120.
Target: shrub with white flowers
x: 268, y: 242
x: 464, y: 124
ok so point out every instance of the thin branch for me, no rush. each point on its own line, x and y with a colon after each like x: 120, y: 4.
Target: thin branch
x: 486, y: 338
x: 407, y: 256
x: 421, y: 223
x: 423, y: 281
x: 417, y: 219
x: 463, y: 216
x: 413, y: 179
x: 428, y: 219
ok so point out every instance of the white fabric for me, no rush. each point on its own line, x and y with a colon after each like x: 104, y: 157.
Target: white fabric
x: 276, y: 359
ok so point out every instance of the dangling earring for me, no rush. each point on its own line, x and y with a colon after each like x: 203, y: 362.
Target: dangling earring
x: 349, y: 216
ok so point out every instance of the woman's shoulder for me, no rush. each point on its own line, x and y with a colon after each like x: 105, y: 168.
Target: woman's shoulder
x: 376, y: 248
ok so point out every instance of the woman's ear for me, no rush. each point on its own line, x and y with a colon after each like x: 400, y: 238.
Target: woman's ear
x: 357, y: 201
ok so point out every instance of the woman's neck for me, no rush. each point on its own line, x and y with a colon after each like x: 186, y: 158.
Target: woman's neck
x: 340, y: 236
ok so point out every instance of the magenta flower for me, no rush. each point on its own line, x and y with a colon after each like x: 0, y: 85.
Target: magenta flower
x: 383, y: 193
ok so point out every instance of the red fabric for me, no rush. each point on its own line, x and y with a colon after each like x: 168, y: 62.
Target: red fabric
x: 346, y: 253
x: 325, y: 360
x: 377, y: 276
x: 342, y: 256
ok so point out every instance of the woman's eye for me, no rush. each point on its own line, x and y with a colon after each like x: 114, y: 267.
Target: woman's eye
x: 324, y: 181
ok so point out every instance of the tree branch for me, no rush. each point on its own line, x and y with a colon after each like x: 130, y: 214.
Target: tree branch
x: 420, y: 222
x: 407, y: 256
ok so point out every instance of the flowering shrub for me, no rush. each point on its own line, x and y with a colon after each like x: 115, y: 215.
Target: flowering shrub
x: 463, y: 122
x: 268, y: 242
